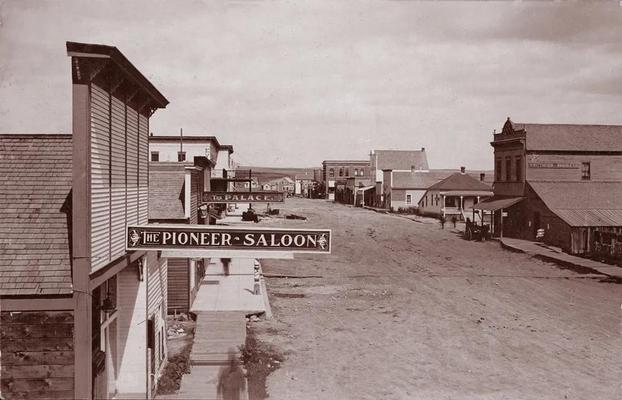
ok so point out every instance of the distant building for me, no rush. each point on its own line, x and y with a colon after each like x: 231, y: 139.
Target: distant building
x: 565, y: 179
x: 336, y: 172
x: 400, y: 161
x: 284, y: 184
x: 453, y: 195
x: 184, y: 149
x: 404, y: 189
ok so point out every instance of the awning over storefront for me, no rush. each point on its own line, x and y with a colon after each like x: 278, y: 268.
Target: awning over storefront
x: 497, y: 204
x: 366, y: 188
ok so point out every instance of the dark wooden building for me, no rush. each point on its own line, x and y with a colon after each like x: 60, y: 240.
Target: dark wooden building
x: 565, y: 179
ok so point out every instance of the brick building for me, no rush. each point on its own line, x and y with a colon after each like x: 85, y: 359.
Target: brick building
x: 565, y: 179
x: 336, y: 172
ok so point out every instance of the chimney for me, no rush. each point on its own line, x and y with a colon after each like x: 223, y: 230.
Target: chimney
x: 423, y: 149
x: 482, y: 176
x: 463, y: 170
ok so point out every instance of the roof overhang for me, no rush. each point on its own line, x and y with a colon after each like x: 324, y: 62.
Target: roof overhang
x: 88, y: 60
x: 497, y: 204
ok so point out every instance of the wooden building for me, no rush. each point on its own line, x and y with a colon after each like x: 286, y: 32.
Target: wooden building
x: 453, y: 195
x: 565, y: 179
x: 82, y: 318
x: 398, y: 161
x: 175, y: 190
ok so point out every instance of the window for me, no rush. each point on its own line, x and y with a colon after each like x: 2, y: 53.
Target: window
x: 331, y: 172
x: 409, y: 199
x: 498, y: 170
x: 508, y: 169
x: 356, y: 172
x: 155, y: 156
x: 341, y: 171
x: 519, y: 169
x: 347, y: 171
x: 585, y: 171
x: 181, y: 156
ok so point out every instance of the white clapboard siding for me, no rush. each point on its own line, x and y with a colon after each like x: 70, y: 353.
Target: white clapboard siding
x: 132, y: 166
x: 132, y: 331
x: 156, y: 300
x: 143, y: 175
x: 118, y: 208
x: 100, y: 185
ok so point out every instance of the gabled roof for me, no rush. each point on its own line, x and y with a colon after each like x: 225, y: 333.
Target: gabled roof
x: 422, y: 180
x: 417, y: 180
x: 401, y: 159
x: 166, y: 190
x: 35, y: 212
x: 570, y: 137
x: 583, y: 203
x: 459, y: 181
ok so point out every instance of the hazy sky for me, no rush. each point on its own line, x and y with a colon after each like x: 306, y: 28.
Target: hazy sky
x: 294, y: 83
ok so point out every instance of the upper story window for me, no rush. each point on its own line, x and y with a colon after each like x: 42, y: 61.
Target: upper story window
x: 155, y: 156
x: 498, y: 170
x: 356, y: 172
x: 341, y: 171
x: 519, y: 169
x: 409, y: 199
x: 508, y: 169
x: 181, y: 156
x: 347, y: 171
x: 585, y: 171
x: 331, y: 172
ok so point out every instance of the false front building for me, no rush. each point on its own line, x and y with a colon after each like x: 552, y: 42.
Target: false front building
x: 81, y: 316
x: 335, y: 174
x: 564, y: 179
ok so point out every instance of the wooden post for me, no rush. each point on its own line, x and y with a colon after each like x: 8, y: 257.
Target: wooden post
x: 501, y: 225
x: 81, y: 242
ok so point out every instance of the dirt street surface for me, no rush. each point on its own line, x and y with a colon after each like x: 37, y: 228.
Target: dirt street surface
x: 405, y: 310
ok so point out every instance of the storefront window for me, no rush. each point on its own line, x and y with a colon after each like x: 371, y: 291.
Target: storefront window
x: 585, y: 171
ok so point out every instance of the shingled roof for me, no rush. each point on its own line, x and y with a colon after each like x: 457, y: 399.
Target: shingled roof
x: 166, y: 190
x: 459, y: 181
x: 569, y: 137
x: 422, y: 180
x: 35, y: 210
x: 401, y: 159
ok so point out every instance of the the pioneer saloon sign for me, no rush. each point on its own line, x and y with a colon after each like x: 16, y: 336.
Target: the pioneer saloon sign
x: 243, y: 197
x: 204, y: 237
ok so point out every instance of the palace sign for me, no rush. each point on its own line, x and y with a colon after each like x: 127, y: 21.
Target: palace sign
x: 243, y: 197
x: 209, y: 237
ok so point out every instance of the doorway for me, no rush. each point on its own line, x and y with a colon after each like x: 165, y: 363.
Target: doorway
x: 536, y: 223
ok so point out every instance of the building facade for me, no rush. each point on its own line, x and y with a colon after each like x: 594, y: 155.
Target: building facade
x: 336, y: 172
x: 399, y: 161
x: 95, y: 312
x: 564, y: 179
x: 454, y: 197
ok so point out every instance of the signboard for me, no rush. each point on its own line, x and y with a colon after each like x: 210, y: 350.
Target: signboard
x: 553, y: 165
x: 209, y: 237
x: 243, y: 197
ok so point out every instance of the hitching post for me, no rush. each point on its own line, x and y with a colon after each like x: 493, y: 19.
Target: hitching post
x: 257, y: 286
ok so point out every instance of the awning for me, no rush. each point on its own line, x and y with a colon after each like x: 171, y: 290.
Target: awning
x: 590, y: 217
x: 365, y: 188
x: 497, y: 204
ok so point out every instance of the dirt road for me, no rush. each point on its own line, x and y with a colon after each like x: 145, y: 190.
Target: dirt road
x: 405, y: 310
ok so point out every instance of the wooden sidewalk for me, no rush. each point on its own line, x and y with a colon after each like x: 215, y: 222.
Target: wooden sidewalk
x: 218, y: 336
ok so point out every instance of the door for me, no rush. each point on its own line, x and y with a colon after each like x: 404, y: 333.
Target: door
x: 536, y: 223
